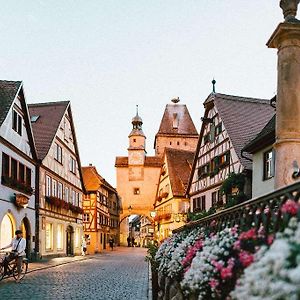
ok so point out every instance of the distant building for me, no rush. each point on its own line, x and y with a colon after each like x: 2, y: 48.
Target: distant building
x: 137, y: 173
x: 229, y: 123
x: 147, y: 231
x: 18, y: 167
x: 176, y: 129
x: 60, y: 180
x: 171, y: 204
x: 101, y: 211
x: 263, y: 156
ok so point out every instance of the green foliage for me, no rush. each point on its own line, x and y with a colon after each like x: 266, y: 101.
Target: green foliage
x: 150, y: 257
x: 200, y: 215
x: 234, y: 180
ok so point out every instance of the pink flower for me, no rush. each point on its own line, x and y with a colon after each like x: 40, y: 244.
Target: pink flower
x: 270, y: 239
x: 226, y: 273
x: 246, y: 258
x: 237, y: 245
x: 213, y: 283
x: 234, y: 229
x: 218, y: 265
x: 290, y: 207
x: 250, y: 234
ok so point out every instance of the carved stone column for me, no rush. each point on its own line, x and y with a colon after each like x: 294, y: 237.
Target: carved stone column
x: 286, y: 39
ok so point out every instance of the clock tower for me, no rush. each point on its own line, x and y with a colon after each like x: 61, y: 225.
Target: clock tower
x: 137, y: 142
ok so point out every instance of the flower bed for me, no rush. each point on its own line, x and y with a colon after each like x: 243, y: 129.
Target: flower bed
x: 17, y: 184
x: 237, y: 262
x: 60, y: 203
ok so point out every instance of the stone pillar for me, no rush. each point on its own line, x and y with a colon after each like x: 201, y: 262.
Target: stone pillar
x: 286, y: 39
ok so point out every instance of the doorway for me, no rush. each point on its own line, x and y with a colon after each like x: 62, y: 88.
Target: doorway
x: 25, y: 227
x: 70, y: 240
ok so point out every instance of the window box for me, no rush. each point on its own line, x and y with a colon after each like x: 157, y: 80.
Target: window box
x: 17, y: 185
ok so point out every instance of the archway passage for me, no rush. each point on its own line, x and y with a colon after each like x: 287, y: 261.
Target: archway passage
x: 70, y: 240
x: 7, y: 230
x: 136, y: 230
x: 25, y: 227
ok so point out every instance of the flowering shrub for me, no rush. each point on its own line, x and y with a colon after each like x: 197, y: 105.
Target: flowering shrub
x: 275, y: 274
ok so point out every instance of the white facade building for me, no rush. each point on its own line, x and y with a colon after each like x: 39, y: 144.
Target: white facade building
x: 18, y: 167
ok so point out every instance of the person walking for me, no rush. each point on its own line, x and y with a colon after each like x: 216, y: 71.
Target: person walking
x: 111, y: 243
x: 132, y: 242
x: 128, y: 241
x: 18, y: 245
x: 83, y: 246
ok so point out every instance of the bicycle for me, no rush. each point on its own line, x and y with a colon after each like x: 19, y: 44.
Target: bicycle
x: 12, y: 268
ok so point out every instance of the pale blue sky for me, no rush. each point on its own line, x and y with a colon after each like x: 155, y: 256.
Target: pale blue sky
x: 107, y: 56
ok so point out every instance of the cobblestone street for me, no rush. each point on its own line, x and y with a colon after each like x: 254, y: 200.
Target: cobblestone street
x: 121, y: 274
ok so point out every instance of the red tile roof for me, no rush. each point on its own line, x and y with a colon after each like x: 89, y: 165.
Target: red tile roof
x: 44, y: 129
x: 185, y: 125
x: 179, y: 168
x: 93, y: 180
x: 150, y: 161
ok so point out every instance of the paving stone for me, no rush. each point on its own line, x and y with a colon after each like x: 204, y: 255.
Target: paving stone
x: 120, y: 274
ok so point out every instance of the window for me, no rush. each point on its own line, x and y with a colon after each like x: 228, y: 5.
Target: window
x: 48, y: 186
x: 58, y: 153
x: 59, y: 236
x: 170, y: 143
x: 5, y: 165
x: 22, y: 173
x: 77, y: 199
x: 67, y: 194
x: 49, y: 236
x: 73, y: 199
x: 136, y: 191
x: 59, y: 190
x: 218, y: 129
x: 33, y: 119
x: 178, y: 143
x: 28, y: 176
x: 17, y: 122
x: 14, y: 169
x: 203, y: 171
x: 175, y: 121
x: 199, y: 204
x: 72, y: 165
x: 206, y: 138
x: 134, y: 140
x: 54, y: 188
x: 214, y: 198
x: 7, y: 231
x: 86, y: 217
x: 268, y: 165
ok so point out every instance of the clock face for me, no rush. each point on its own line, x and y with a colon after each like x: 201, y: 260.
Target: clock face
x: 136, y: 159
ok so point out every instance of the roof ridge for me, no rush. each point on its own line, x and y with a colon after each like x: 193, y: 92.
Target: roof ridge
x: 242, y: 98
x: 49, y: 103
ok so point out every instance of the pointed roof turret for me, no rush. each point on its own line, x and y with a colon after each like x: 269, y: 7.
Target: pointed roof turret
x: 137, y: 123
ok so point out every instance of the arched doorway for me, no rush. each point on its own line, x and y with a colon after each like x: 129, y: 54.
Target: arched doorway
x: 25, y: 227
x: 70, y: 240
x: 7, y: 230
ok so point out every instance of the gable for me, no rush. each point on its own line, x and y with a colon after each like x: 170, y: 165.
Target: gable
x: 15, y: 127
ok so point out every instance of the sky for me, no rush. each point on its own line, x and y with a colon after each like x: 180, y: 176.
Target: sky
x: 108, y: 56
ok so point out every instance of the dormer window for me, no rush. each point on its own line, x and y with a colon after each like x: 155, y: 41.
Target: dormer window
x: 17, y: 122
x: 134, y: 140
x: 175, y: 121
x: 33, y: 119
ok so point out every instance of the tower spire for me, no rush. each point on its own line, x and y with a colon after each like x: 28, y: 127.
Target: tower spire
x: 214, y: 85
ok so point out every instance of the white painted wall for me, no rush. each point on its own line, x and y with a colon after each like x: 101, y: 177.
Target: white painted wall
x: 259, y: 185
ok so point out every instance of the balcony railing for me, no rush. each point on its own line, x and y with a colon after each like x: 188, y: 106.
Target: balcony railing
x: 264, y: 210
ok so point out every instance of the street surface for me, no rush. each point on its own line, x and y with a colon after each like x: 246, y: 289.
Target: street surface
x: 121, y: 274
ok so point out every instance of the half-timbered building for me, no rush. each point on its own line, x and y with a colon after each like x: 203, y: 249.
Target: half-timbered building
x: 171, y: 204
x: 59, y: 178
x: 17, y: 167
x: 99, y: 225
x: 229, y: 122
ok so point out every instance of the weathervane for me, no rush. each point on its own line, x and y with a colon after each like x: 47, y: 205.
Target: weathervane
x: 214, y: 86
x: 289, y: 8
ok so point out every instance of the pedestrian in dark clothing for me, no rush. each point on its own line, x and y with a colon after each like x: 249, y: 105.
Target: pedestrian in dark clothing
x: 111, y: 243
x: 128, y: 241
x: 132, y: 242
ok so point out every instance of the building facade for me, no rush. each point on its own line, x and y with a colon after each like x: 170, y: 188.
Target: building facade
x: 229, y: 122
x: 176, y: 129
x: 263, y: 156
x: 171, y: 205
x: 18, y: 167
x: 60, y: 180
x: 100, y: 200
